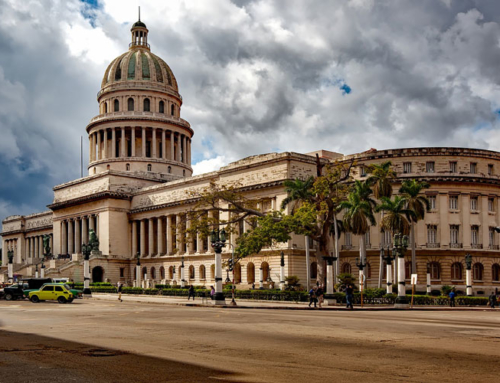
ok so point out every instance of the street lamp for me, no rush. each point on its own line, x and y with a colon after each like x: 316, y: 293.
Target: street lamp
x: 361, y: 265
x: 468, y: 273
x: 86, y: 250
x: 231, y: 266
x: 400, y: 247
x: 388, y: 261
x: 218, y: 239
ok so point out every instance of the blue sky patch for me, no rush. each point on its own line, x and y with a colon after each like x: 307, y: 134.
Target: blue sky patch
x: 89, y: 11
x: 346, y: 89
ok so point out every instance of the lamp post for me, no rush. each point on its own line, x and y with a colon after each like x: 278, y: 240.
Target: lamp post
x: 361, y: 265
x: 218, y: 239
x: 388, y: 261
x: 400, y: 247
x: 10, y: 266
x: 468, y: 274
x: 282, y: 271
x: 86, y: 250
x: 231, y: 266
x: 429, y: 279
x: 183, y: 280
x: 138, y: 270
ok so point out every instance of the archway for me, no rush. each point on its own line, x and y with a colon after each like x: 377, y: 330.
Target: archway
x: 250, y: 273
x: 97, y: 274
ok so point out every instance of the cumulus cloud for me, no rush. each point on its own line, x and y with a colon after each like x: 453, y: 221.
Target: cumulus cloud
x: 256, y: 76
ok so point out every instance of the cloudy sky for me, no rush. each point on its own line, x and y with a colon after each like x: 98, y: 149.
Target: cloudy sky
x: 256, y: 77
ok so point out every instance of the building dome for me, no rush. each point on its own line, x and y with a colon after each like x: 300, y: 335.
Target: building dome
x: 139, y: 64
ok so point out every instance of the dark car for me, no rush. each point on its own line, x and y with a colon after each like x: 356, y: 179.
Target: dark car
x: 20, y: 289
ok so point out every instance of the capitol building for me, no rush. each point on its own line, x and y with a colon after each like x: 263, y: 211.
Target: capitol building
x: 139, y: 189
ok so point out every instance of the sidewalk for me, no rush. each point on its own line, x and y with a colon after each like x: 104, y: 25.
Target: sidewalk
x: 273, y: 305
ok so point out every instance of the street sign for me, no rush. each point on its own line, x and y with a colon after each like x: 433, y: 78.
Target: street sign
x: 414, y: 279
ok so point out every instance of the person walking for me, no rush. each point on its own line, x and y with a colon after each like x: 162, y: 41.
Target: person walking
x: 320, y: 295
x: 492, y: 300
x: 452, y: 296
x: 312, y: 297
x: 120, y: 288
x: 191, y: 292
x: 212, y: 292
x: 349, y: 296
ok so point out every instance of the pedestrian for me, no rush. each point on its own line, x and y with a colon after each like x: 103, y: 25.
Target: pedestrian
x: 312, y: 297
x: 349, y: 296
x: 253, y: 286
x: 452, y: 296
x: 120, y: 287
x: 320, y: 295
x: 212, y: 292
x: 191, y: 292
x: 492, y: 300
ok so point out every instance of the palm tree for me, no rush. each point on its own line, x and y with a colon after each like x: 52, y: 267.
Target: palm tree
x: 381, y: 176
x: 358, y: 213
x: 411, y: 193
x: 398, y: 216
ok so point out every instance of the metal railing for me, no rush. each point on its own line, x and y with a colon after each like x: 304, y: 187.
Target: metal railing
x: 494, y: 247
x: 432, y: 245
x: 476, y: 245
x: 135, y: 44
x: 346, y: 247
x: 455, y: 246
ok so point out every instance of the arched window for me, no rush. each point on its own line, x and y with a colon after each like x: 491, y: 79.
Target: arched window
x: 212, y: 272
x: 149, y: 167
x: 172, y: 110
x: 407, y: 270
x: 105, y: 107
x: 237, y: 273
x: 495, y: 272
x: 144, y: 272
x: 265, y: 271
x: 250, y: 273
x: 456, y: 271
x: 170, y: 169
x: 171, y: 272
x: 127, y: 167
x: 313, y: 270
x: 147, y: 105
x: 162, y: 107
x: 153, y: 273
x: 435, y: 269
x: 117, y: 105
x: 477, y: 271
x: 346, y: 268
x: 162, y: 272
x: 130, y: 104
x: 191, y: 272
x: 203, y: 273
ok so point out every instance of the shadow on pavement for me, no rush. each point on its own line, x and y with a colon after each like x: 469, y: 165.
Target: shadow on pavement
x: 35, y: 358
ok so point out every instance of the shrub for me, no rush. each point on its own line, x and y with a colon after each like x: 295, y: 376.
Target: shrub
x: 446, y: 290
x: 162, y: 286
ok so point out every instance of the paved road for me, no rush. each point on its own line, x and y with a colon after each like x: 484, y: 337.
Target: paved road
x: 102, y: 341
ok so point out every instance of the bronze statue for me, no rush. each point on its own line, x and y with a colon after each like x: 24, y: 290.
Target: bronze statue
x: 93, y: 240
x: 46, y: 244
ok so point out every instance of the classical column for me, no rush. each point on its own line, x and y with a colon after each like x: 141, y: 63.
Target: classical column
x: 91, y: 151
x: 170, y: 247
x: 179, y: 146
x: 91, y: 223
x: 64, y: 235
x: 78, y: 238
x: 178, y: 240
x: 153, y: 144
x: 98, y: 137
x: 113, y: 143
x: 37, y: 248
x: 85, y: 231
x: 163, y: 144
x: 143, y: 238
x: 143, y: 154
x: 123, y: 142
x: 189, y: 236
x: 199, y: 243
x: 172, y: 146
x: 40, y: 245
x: 132, y: 140
x: 32, y: 247
x: 105, y: 143
x: 71, y: 237
x: 160, y: 236
x: 189, y: 152
x: 51, y: 242
x: 184, y: 150
x: 151, y: 236
x: 134, y: 238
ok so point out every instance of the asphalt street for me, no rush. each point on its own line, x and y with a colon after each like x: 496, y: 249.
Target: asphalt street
x: 104, y: 341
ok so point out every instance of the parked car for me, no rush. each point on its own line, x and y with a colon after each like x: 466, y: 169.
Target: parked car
x: 76, y: 293
x: 52, y: 292
x: 15, y: 291
x: 33, y: 284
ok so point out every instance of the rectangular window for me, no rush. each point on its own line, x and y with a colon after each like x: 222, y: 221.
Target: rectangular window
x: 406, y: 167
x: 387, y: 237
x: 491, y: 205
x: 432, y: 202
x: 122, y: 272
x: 362, y: 171
x: 453, y: 234
x: 474, y: 234
x: 474, y: 203
x: 453, y: 167
x: 347, y: 239
x: 473, y: 168
x: 367, y: 239
x: 429, y: 167
x: 491, y: 236
x: 432, y: 234
x: 490, y: 169
x: 453, y: 202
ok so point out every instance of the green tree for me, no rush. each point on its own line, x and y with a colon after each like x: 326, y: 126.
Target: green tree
x: 397, y: 217
x: 411, y: 192
x: 298, y: 191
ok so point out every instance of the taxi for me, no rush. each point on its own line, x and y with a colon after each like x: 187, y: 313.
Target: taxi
x: 51, y: 292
